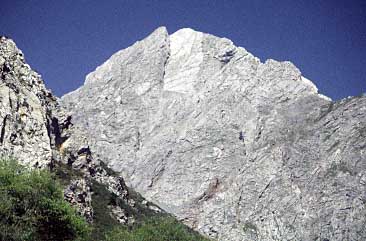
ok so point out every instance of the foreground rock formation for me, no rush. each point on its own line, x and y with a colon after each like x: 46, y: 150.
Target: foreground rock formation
x: 35, y: 130
x: 236, y: 148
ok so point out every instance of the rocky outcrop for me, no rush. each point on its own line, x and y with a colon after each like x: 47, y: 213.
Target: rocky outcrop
x: 236, y: 148
x: 39, y: 133
x: 25, y: 103
x: 79, y: 195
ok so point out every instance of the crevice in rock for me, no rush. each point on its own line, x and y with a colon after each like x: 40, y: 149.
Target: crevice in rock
x: 48, y: 127
x: 137, y: 145
x: 237, y: 208
x: 210, y: 192
x: 264, y: 189
x: 2, y: 133
x: 56, y: 131
x: 5, y: 70
x: 67, y: 123
x: 161, y: 170
x: 166, y: 59
x: 12, y: 86
x: 226, y: 57
x: 325, y: 111
x: 84, y: 151
x: 241, y: 136
x: 13, y: 137
x: 17, y: 107
x: 156, y: 177
x: 10, y: 101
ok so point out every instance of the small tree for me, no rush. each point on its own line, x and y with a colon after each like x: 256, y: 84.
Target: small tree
x: 32, y: 206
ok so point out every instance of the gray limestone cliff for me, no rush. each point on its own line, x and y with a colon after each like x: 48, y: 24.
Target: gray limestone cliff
x: 25, y: 110
x: 236, y: 148
x: 39, y: 133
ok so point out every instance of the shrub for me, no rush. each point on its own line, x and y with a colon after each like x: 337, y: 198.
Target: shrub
x: 32, y: 206
x: 155, y: 229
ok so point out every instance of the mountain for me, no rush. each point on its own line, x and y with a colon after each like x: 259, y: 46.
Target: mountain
x: 188, y: 124
x: 38, y: 132
x: 235, y: 148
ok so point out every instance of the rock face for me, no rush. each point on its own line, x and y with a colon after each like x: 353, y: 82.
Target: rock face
x: 25, y: 103
x: 39, y: 133
x: 236, y: 148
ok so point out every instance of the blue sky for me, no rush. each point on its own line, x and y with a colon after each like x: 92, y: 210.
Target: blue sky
x: 64, y: 40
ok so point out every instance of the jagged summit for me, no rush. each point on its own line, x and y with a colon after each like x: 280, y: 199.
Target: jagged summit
x: 236, y: 148
x: 181, y: 44
x: 190, y: 53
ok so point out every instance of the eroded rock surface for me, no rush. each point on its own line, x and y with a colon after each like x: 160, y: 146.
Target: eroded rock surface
x: 39, y: 133
x: 236, y: 148
x: 25, y: 106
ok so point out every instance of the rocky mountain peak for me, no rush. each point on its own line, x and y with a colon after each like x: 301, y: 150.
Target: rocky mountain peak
x: 236, y: 148
x: 17, y: 71
x: 193, y: 53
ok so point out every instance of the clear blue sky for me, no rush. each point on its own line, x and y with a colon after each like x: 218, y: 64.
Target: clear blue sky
x: 66, y: 39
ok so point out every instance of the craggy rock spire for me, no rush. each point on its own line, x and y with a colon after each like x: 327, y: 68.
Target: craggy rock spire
x: 25, y: 106
x: 236, y: 148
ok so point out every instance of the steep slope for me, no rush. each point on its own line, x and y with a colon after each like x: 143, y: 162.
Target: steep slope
x: 36, y: 131
x: 25, y: 109
x: 236, y: 148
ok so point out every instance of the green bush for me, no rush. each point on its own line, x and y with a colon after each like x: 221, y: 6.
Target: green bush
x: 32, y: 207
x: 155, y: 229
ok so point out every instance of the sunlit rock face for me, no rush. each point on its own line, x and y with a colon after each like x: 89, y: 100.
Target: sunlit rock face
x: 236, y: 148
x: 39, y: 133
x: 25, y: 103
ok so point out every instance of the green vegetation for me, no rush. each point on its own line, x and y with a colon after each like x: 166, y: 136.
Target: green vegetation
x: 155, y: 229
x: 103, y: 221
x: 149, y: 226
x: 32, y: 207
